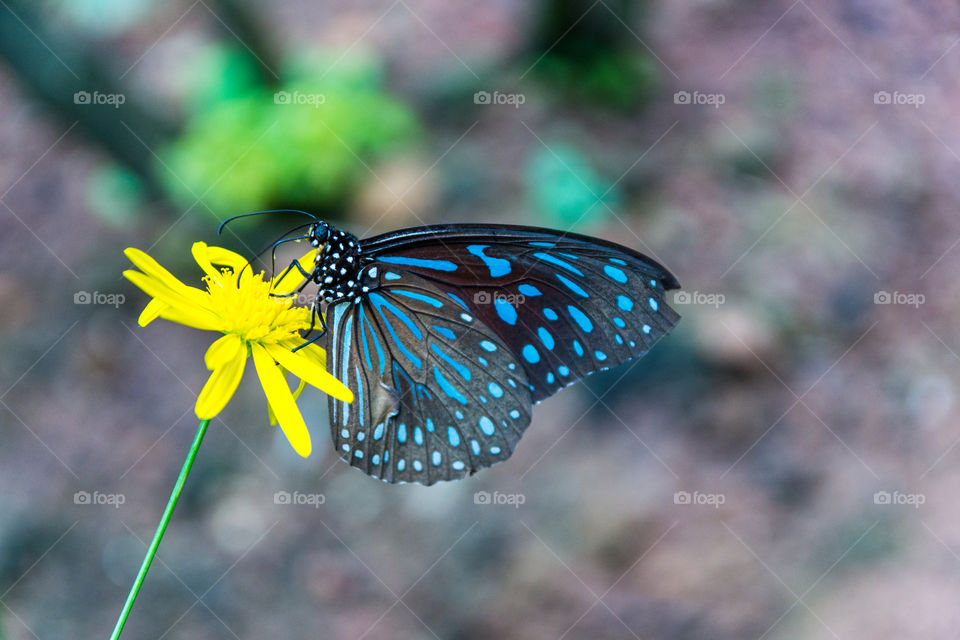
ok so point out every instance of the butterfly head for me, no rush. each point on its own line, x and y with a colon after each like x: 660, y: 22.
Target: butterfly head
x: 319, y: 233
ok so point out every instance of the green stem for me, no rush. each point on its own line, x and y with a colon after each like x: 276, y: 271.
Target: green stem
x: 161, y: 528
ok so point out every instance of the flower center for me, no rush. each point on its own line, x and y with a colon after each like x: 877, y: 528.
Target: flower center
x: 249, y: 311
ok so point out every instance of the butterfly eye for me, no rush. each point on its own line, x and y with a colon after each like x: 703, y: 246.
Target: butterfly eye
x: 319, y: 234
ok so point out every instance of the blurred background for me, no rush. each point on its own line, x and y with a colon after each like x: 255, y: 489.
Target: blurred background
x: 784, y: 465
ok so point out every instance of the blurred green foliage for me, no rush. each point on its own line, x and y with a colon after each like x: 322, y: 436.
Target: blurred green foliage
x: 304, y: 143
x: 114, y: 194
x: 589, y: 52
x: 615, y: 79
x: 566, y: 189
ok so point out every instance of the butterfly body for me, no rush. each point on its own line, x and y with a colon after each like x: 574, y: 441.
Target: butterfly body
x: 449, y: 334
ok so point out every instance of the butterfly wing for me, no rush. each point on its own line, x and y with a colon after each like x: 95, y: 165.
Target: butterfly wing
x: 567, y: 305
x: 437, y: 394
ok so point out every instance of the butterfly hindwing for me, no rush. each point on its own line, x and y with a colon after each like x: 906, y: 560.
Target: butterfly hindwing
x: 566, y: 305
x: 437, y: 394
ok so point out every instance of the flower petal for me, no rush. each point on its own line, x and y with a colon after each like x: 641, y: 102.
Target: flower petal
x: 290, y: 280
x: 281, y: 401
x: 192, y: 313
x: 199, y: 251
x: 152, y: 269
x: 225, y: 349
x: 220, y: 388
x: 151, y: 312
x: 313, y: 352
x: 226, y: 258
x: 306, y: 369
x: 296, y: 394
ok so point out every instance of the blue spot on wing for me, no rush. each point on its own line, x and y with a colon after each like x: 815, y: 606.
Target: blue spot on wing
x: 505, y: 310
x: 418, y: 296
x: 448, y: 388
x: 462, y: 370
x: 445, y: 332
x: 436, y: 265
x: 581, y: 318
x: 486, y: 426
x: 379, y: 301
x: 529, y: 290
x: 497, y: 266
x: 531, y: 354
x: 573, y: 286
x: 616, y: 274
x: 545, y: 338
x: 453, y: 437
x: 458, y: 301
x: 546, y: 257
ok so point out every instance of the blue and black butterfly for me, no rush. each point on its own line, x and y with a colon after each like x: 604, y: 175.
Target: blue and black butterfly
x: 449, y: 334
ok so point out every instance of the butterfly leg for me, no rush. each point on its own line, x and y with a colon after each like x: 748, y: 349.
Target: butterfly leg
x: 316, y: 315
x: 303, y: 272
x: 273, y: 254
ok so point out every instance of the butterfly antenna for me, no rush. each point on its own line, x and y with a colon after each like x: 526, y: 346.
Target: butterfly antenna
x: 260, y: 213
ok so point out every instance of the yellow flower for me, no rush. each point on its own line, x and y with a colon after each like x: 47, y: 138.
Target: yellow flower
x: 253, y: 323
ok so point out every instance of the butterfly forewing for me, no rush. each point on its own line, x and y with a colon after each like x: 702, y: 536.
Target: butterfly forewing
x: 437, y: 394
x: 566, y: 305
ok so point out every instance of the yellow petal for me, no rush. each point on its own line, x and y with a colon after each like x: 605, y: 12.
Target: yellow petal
x: 198, y: 319
x: 152, y: 268
x: 296, y: 394
x: 198, y: 314
x: 299, y: 389
x: 151, y: 312
x: 292, y: 278
x: 306, y: 369
x: 281, y: 401
x: 225, y: 349
x: 199, y: 251
x: 226, y: 258
x: 220, y: 388
x: 313, y: 352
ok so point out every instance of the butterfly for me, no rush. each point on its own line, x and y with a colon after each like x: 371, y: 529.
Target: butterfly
x: 447, y: 335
